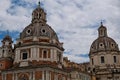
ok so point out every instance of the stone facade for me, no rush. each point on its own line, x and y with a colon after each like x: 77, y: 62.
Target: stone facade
x: 104, y: 57
x: 37, y: 54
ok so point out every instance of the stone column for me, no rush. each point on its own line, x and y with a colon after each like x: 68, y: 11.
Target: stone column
x: 34, y: 51
x: 13, y: 76
x: 47, y: 75
x: 42, y: 75
x: 52, y: 55
x: 56, y: 76
x: 55, y: 55
x: 18, y: 55
x: 62, y: 57
x: 34, y: 75
x: 16, y: 78
x: 3, y: 77
x: 31, y: 76
x: 38, y: 55
x: 31, y: 52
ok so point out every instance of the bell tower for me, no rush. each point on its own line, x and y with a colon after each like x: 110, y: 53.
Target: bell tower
x: 6, y: 53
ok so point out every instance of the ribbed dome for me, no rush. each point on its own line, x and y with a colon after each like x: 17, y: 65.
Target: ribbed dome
x: 103, y: 42
x: 38, y: 27
x: 39, y: 30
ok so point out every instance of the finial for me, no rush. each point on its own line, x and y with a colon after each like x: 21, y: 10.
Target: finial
x: 39, y: 3
x: 101, y: 23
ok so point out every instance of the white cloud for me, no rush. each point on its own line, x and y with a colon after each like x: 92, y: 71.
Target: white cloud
x: 76, y: 21
x: 5, y: 4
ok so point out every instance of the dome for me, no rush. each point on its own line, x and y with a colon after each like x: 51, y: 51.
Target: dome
x: 103, y: 42
x: 38, y: 43
x: 7, y: 38
x: 38, y: 27
x: 38, y: 30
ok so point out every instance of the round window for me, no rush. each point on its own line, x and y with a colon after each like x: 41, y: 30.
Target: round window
x: 112, y: 45
x: 43, y: 31
x: 28, y: 31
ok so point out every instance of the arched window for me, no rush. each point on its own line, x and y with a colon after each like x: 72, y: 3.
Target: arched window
x: 102, y: 59
x: 3, y: 51
x: 24, y: 55
x: 92, y: 61
x: 44, y: 54
x: 115, y: 59
x: 59, y: 57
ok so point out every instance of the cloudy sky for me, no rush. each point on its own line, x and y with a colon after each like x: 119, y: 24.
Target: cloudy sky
x: 75, y: 21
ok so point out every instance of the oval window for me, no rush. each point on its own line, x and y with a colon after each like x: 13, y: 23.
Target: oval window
x: 28, y: 31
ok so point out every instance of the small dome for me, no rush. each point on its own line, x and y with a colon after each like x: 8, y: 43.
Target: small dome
x: 103, y: 42
x: 7, y: 38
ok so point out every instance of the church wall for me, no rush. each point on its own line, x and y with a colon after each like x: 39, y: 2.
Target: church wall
x: 108, y: 56
x: 35, y: 74
x: 38, y: 75
x: 37, y: 53
x: 76, y: 75
x: 4, y: 64
x: 9, y: 76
